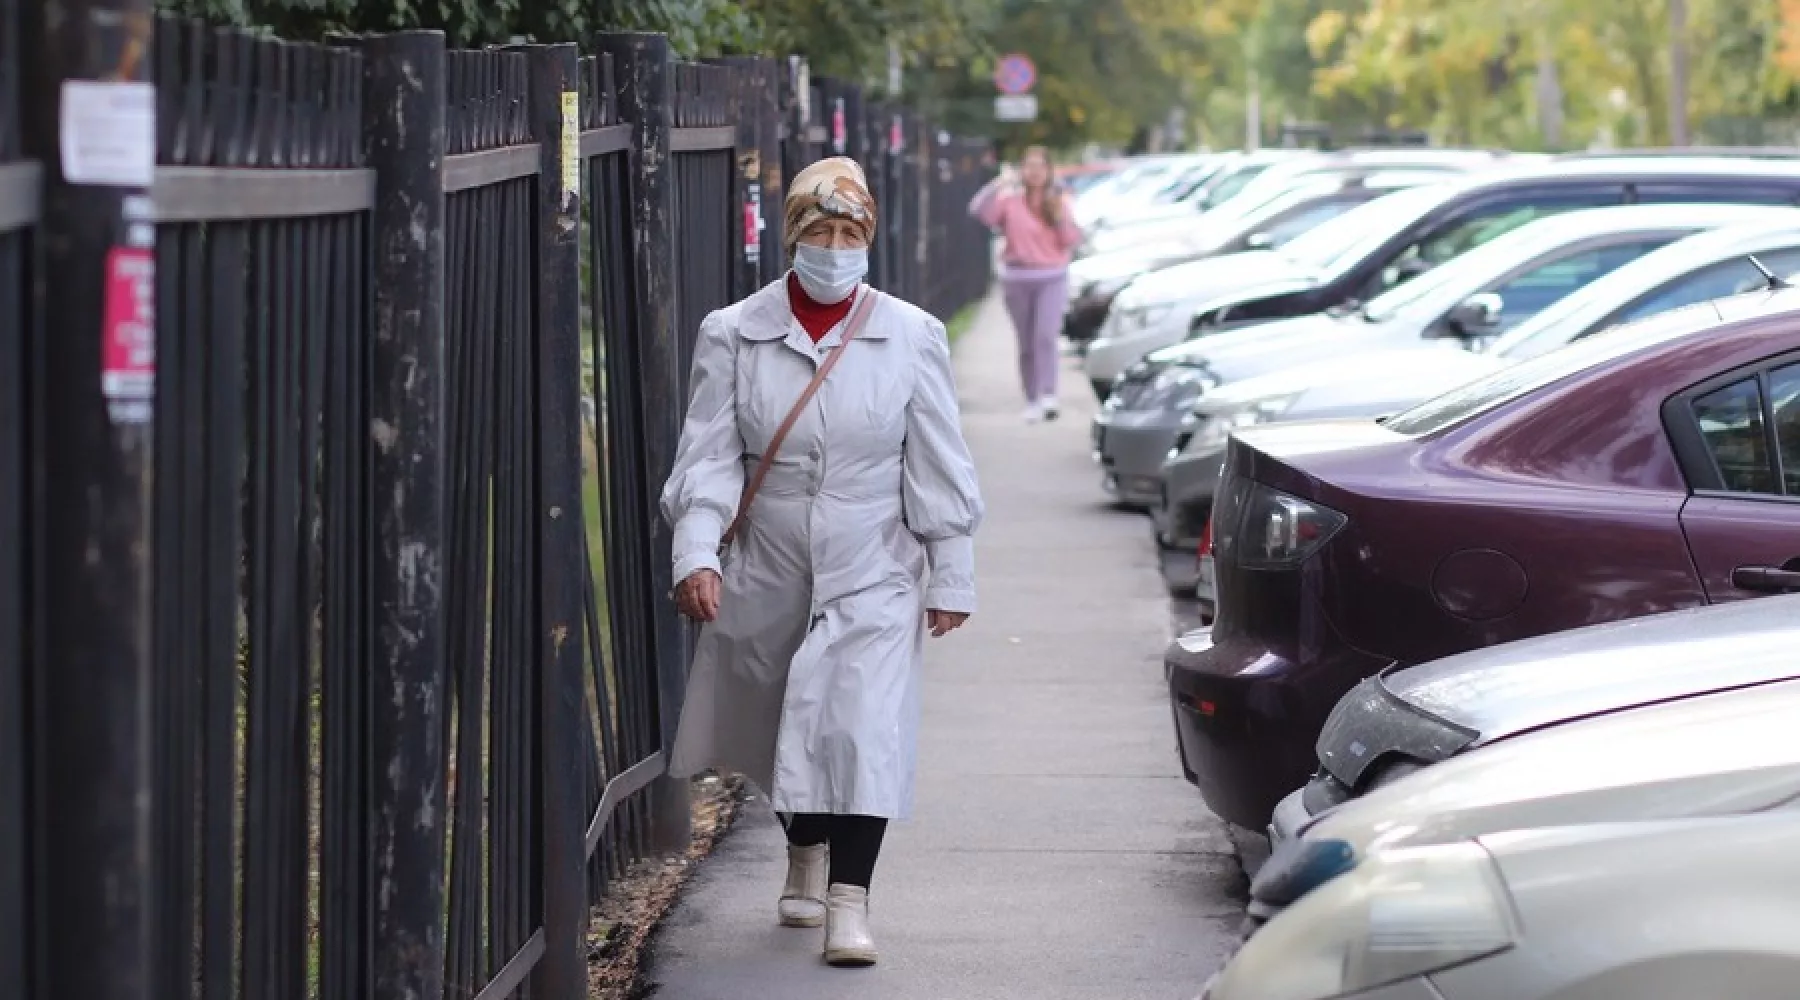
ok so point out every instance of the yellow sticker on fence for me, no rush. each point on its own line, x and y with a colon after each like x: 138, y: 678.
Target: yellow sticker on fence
x: 571, y: 143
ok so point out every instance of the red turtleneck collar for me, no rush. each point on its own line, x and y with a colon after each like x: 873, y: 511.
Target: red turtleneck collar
x: 816, y: 318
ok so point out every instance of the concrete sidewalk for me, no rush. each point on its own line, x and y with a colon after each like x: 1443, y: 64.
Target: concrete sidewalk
x: 1056, y: 853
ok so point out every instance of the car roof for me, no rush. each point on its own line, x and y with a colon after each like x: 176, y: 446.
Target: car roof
x: 1520, y: 686
x: 1632, y: 167
x: 1552, y: 234
x: 1611, y: 292
x: 1541, y: 381
x: 1616, y: 218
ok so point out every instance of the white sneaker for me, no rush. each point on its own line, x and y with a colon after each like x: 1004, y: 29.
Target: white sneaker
x: 847, y: 939
x: 803, y: 897
x: 1034, y: 413
x: 1050, y: 408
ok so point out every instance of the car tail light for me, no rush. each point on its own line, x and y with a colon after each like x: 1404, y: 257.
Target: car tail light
x: 1206, y: 539
x: 1280, y: 531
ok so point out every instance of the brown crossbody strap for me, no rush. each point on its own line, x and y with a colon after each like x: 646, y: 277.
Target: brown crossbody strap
x: 859, y: 318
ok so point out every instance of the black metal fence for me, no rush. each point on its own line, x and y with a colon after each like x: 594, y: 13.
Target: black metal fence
x: 422, y: 329
x: 18, y: 210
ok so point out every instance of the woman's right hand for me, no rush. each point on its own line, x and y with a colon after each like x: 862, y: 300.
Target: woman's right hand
x: 698, y: 596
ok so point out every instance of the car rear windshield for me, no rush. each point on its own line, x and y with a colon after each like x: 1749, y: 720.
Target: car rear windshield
x: 1527, y: 377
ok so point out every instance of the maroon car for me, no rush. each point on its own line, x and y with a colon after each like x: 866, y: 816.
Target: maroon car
x: 1650, y: 468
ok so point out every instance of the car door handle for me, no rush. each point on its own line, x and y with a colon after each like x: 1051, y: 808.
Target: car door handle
x: 1766, y: 579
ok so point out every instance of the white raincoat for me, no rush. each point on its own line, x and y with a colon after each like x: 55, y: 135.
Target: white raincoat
x: 808, y: 682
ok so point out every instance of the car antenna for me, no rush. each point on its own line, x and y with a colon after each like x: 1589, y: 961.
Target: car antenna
x: 1775, y: 283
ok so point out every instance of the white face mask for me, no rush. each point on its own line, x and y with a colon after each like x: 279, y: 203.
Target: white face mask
x: 828, y: 275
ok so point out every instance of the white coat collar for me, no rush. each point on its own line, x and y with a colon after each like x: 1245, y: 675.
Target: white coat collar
x: 769, y: 316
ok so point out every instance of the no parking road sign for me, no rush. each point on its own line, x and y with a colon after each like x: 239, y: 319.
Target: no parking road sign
x: 1015, y: 75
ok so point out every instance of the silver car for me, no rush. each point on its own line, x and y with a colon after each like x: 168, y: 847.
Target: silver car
x: 1394, y: 724
x: 1700, y: 268
x: 1670, y: 910
x: 1474, y: 297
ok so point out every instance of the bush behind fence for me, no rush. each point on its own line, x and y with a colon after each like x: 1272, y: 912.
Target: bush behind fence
x: 422, y: 326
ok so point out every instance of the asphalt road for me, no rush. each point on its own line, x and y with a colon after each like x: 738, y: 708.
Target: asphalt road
x: 1056, y: 853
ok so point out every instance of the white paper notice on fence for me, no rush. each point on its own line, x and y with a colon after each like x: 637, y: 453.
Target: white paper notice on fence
x: 571, y: 143
x: 108, y: 133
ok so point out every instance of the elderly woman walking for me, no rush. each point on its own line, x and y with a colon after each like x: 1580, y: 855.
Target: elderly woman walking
x: 1037, y: 222
x: 824, y: 505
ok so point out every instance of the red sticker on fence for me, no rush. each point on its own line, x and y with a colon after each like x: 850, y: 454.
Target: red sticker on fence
x: 752, y: 231
x: 128, y: 338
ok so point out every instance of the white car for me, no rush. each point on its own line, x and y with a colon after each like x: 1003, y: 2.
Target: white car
x: 1135, y: 186
x: 1673, y: 910
x: 1474, y: 297
x: 1260, y: 177
x: 1159, y: 306
x: 1713, y: 754
x: 1702, y: 267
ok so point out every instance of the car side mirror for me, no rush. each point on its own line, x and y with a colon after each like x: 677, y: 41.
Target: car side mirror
x: 1411, y: 268
x: 1260, y: 241
x: 1476, y: 315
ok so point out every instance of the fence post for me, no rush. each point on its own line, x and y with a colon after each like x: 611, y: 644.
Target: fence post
x: 754, y: 110
x: 646, y: 84
x: 554, y: 107
x: 92, y: 369
x: 403, y: 127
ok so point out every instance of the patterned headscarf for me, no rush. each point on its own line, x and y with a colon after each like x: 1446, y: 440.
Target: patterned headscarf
x: 835, y: 188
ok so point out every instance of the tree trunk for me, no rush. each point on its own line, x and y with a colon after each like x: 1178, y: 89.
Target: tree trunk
x: 1549, y: 94
x: 1678, y: 73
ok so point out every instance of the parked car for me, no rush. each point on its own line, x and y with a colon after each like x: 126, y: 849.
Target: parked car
x: 1096, y: 278
x: 1400, y: 721
x: 1654, y: 468
x: 1710, y: 754
x: 1414, y: 231
x: 1079, y: 178
x: 1267, y: 174
x: 1136, y: 182
x: 1140, y: 184
x: 1478, y: 296
x: 1194, y: 194
x: 1270, y: 225
x: 1637, y: 911
x: 1702, y: 267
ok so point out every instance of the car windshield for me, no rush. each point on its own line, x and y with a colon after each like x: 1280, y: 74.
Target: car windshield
x: 1548, y: 330
x: 1228, y: 186
x: 1360, y: 231
x: 1526, y: 377
x: 1470, y: 269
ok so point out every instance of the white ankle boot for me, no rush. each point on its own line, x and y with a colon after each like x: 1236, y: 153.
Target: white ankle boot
x: 803, y: 897
x: 847, y: 939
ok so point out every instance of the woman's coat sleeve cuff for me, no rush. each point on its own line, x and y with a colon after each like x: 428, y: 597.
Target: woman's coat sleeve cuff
x: 697, y: 543
x: 952, y: 585
x: 961, y: 602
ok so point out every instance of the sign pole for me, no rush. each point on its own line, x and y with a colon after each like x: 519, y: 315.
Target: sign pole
x: 90, y: 118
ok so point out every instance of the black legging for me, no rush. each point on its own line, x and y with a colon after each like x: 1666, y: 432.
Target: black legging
x: 855, y: 842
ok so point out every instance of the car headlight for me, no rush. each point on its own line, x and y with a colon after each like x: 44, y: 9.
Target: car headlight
x: 1404, y: 913
x: 1105, y: 289
x: 1212, y: 427
x: 1136, y: 318
x: 1174, y: 388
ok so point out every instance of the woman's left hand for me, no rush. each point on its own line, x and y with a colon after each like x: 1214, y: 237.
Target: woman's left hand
x: 944, y: 622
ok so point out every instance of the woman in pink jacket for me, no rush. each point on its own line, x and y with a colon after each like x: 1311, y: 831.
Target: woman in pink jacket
x: 1035, y: 217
